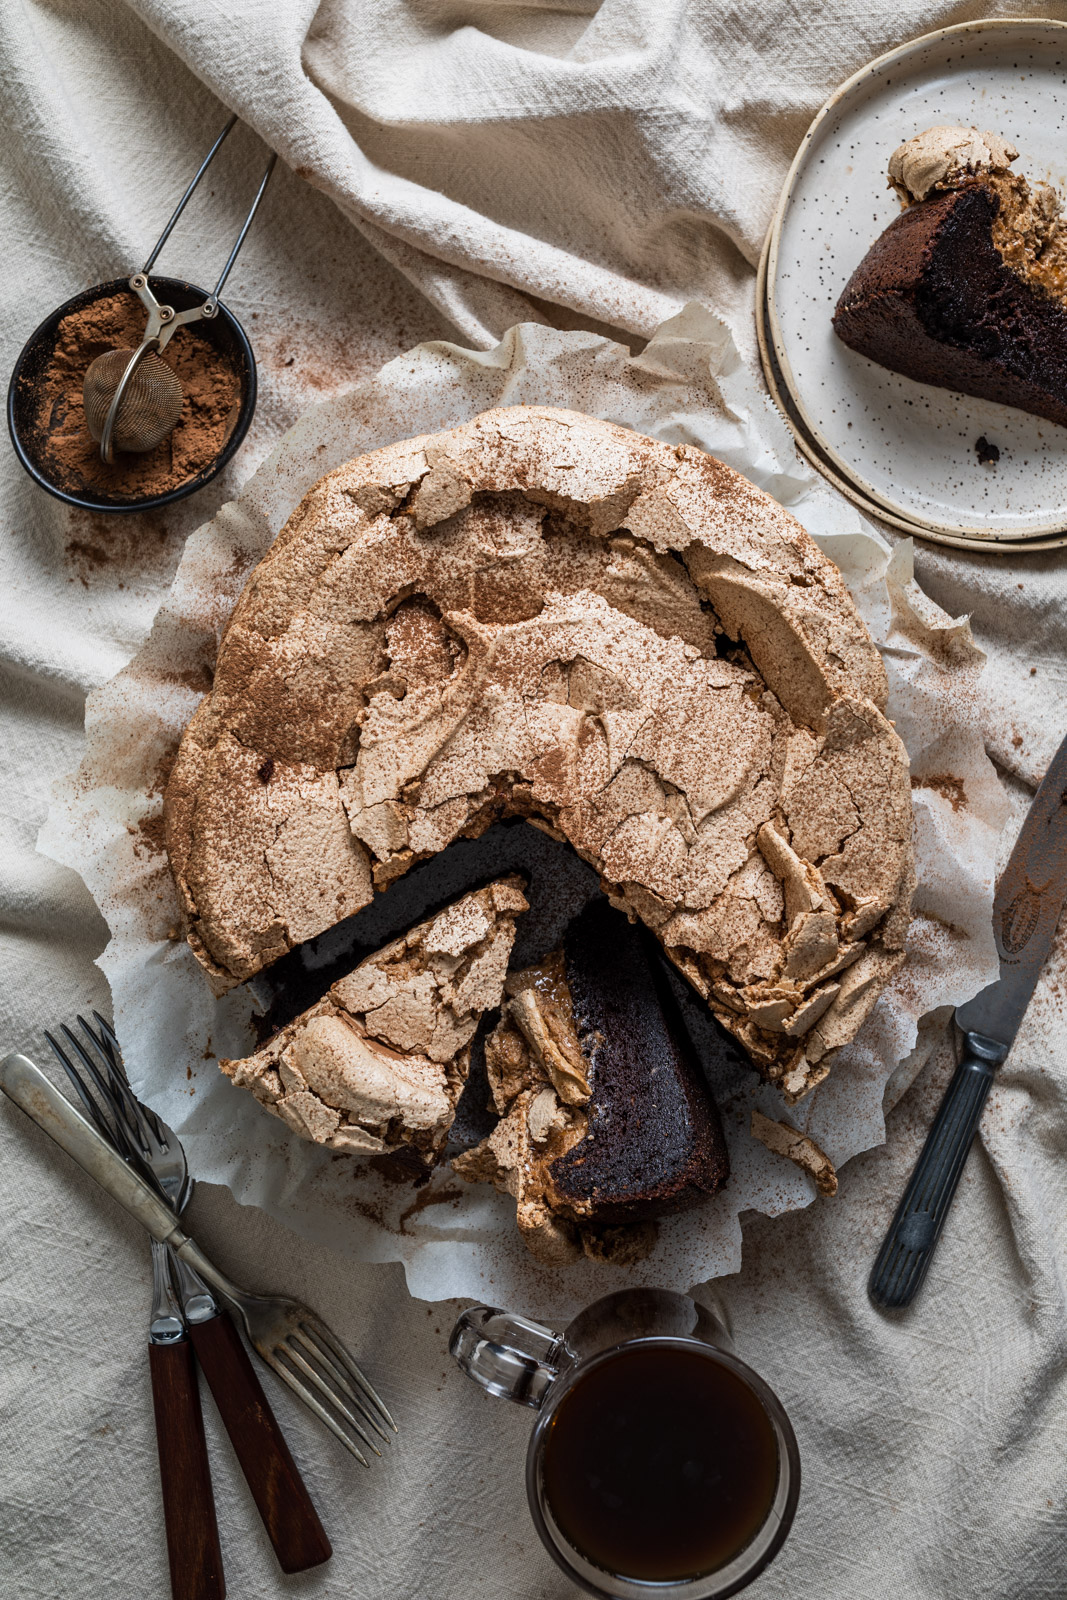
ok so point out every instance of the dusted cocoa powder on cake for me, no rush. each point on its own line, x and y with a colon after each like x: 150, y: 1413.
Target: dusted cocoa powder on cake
x: 379, y: 1063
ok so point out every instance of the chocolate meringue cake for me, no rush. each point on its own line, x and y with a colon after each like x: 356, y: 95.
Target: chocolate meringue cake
x: 541, y: 615
x: 967, y: 288
x: 546, y: 617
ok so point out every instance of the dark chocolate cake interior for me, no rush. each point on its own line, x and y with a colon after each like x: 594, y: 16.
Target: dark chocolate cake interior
x: 934, y: 299
x: 654, y: 1140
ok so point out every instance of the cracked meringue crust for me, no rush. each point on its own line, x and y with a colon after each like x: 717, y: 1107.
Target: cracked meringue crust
x: 543, y: 615
x: 381, y: 1060
x: 1029, y: 231
x: 783, y: 1140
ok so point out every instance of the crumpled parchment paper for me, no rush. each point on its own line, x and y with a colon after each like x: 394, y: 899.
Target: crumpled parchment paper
x: 687, y: 386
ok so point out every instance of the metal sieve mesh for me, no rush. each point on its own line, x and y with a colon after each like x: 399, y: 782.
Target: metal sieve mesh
x: 149, y: 409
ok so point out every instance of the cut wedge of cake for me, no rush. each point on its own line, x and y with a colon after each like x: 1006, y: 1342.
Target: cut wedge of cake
x: 381, y: 1061
x: 966, y: 289
x: 606, y: 1116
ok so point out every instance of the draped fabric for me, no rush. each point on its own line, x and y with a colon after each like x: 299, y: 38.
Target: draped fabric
x: 449, y: 168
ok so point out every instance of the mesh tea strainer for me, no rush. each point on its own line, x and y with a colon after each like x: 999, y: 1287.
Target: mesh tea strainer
x: 133, y: 398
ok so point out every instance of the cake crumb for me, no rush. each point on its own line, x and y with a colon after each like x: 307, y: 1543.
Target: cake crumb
x: 987, y: 453
x: 786, y: 1141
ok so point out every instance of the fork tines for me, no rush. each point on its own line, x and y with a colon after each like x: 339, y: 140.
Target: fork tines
x: 116, y: 1114
x: 326, y: 1365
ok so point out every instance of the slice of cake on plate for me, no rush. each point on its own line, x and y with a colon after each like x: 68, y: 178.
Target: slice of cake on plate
x: 966, y: 288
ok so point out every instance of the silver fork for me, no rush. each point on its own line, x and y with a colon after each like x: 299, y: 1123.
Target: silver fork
x: 273, y: 1477
x: 294, y: 1342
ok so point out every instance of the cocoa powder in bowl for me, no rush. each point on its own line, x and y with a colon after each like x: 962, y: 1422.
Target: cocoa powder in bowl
x: 65, y: 449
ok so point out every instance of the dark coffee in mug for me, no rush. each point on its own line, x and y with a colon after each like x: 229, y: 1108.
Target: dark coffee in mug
x: 660, y: 1464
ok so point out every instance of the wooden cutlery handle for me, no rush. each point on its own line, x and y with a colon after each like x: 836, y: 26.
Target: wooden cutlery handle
x: 289, y: 1517
x: 188, y: 1503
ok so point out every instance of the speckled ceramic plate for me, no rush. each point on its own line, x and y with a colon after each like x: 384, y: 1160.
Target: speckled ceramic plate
x: 780, y: 395
x: 905, y: 448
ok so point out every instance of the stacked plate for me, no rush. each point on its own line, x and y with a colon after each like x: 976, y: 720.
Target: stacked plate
x: 913, y: 455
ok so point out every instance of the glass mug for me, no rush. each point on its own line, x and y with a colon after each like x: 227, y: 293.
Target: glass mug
x: 661, y: 1467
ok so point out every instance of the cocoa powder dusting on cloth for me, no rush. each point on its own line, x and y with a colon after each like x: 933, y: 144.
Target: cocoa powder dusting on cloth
x: 67, y: 451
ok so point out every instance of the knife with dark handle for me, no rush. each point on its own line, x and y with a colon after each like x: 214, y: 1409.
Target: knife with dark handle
x: 1026, y: 910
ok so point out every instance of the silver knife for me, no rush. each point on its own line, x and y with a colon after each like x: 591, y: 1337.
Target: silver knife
x: 27, y: 1085
x: 1026, y: 909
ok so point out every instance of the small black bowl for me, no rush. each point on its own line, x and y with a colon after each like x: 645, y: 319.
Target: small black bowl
x: 223, y: 331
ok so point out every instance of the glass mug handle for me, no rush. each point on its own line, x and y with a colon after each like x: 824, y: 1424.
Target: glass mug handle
x: 510, y: 1356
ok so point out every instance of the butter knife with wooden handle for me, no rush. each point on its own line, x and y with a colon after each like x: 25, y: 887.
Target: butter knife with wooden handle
x: 193, y: 1549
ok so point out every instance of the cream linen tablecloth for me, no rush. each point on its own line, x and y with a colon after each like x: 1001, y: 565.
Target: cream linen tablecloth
x: 454, y: 166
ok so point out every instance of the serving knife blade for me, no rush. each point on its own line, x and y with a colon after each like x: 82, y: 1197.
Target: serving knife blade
x: 1029, y: 899
x: 1026, y: 911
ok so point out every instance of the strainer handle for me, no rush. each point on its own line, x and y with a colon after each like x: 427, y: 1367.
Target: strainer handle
x: 208, y: 308
x: 164, y: 321
x: 186, y: 197
x: 247, y: 224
